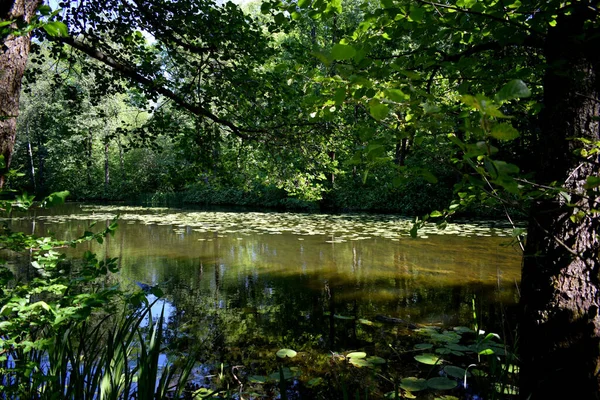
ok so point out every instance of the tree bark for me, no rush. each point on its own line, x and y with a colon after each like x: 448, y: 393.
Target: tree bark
x: 560, y: 326
x: 13, y: 59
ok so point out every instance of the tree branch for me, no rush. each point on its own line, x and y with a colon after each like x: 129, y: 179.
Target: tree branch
x: 132, y: 74
x: 484, y: 15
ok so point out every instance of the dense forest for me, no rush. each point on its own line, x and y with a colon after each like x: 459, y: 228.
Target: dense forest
x: 424, y: 108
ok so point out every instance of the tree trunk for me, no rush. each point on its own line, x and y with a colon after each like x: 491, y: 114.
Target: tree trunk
x: 560, y: 326
x: 13, y: 59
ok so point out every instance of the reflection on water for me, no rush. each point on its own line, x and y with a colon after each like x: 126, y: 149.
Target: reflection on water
x: 263, y: 280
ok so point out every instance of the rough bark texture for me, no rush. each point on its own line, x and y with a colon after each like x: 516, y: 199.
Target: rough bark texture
x: 560, y: 328
x: 13, y: 58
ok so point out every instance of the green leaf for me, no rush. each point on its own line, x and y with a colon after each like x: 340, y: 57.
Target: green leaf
x: 396, y: 95
x: 514, y: 89
x: 342, y: 52
x: 55, y: 199
x: 456, y: 372
x: 334, y: 6
x: 376, y: 360
x: 283, y: 353
x: 435, y: 214
x: 339, y: 96
x: 428, y: 176
x: 359, y: 362
x: 378, y: 111
x: 504, y: 131
x: 413, y: 384
x: 417, y: 13
x: 441, y: 383
x: 56, y: 28
x: 304, y: 3
x: 592, y: 182
x: 428, y: 358
x: 265, y: 7
x: 257, y: 379
x: 314, y: 382
x: 356, y: 354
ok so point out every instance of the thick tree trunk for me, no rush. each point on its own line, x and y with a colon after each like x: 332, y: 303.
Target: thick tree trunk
x: 560, y: 327
x: 13, y: 59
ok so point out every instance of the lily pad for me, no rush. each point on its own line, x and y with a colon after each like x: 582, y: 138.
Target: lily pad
x: 413, y: 384
x: 287, y: 374
x: 456, y: 372
x: 356, y: 355
x: 360, y: 362
x: 376, y: 360
x: 283, y: 353
x: 428, y: 358
x: 441, y: 383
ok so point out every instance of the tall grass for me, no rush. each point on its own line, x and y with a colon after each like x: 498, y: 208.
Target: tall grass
x: 115, y: 358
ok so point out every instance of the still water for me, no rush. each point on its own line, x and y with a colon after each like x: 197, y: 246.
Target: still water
x: 236, y: 280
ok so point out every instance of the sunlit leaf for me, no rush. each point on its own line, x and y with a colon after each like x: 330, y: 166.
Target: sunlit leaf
x: 342, y: 51
x: 283, y: 353
x: 413, y: 384
x: 428, y: 358
x: 515, y: 89
x: 504, y: 131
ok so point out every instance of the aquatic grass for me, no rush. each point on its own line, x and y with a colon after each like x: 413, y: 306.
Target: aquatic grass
x: 114, y: 359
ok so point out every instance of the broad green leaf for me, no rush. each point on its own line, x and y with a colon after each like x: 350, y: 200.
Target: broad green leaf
x: 515, y: 89
x: 283, y: 353
x: 413, y: 384
x: 428, y: 176
x: 342, y: 52
x: 376, y: 360
x: 396, y: 95
x: 378, y: 111
x: 441, y: 383
x: 339, y: 96
x: 334, y: 6
x: 416, y: 13
x: 428, y: 358
x: 286, y: 372
x: 456, y: 372
x: 55, y: 199
x: 592, y: 182
x: 304, y: 3
x: 356, y: 354
x: 435, y: 214
x: 56, y: 28
x: 504, y: 131
x: 359, y: 362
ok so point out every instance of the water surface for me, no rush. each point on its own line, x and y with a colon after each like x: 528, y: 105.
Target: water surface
x: 267, y: 280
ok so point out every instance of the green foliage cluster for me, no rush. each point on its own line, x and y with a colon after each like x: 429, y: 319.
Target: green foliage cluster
x: 258, y: 196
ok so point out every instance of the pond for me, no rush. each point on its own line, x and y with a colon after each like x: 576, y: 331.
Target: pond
x: 254, y: 282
